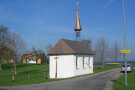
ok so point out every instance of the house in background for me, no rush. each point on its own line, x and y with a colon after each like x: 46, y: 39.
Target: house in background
x: 34, y: 59
x: 70, y: 58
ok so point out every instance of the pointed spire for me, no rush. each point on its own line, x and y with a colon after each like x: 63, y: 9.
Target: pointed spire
x: 77, y: 24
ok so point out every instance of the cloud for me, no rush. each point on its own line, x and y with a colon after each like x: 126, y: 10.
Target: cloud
x: 109, y: 2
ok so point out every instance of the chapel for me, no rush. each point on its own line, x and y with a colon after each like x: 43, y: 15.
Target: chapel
x: 70, y: 58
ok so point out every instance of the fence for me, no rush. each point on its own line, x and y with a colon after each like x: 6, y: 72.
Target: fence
x: 26, y: 75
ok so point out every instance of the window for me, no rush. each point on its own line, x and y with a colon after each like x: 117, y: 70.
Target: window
x: 76, y: 62
x: 83, y: 63
x: 89, y: 62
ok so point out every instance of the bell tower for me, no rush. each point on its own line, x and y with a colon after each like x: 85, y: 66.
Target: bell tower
x: 77, y: 28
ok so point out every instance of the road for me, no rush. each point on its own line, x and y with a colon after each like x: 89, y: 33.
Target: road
x: 100, y: 81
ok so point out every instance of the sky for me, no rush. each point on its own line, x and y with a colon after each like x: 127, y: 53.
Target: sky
x: 43, y: 22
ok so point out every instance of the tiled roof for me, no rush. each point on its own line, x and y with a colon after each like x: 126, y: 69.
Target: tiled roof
x: 27, y: 56
x: 70, y: 47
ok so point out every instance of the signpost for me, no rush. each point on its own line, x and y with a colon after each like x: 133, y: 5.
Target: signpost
x: 125, y: 51
x: 125, y: 46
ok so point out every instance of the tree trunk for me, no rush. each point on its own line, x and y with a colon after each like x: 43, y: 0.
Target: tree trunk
x: 103, y: 64
x: 0, y: 67
x: 15, y: 66
x: 12, y: 69
x: 116, y: 60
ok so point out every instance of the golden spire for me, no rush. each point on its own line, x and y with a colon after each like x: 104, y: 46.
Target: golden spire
x: 77, y: 24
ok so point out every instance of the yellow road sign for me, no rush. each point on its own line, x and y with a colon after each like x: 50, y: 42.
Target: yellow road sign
x: 125, y: 51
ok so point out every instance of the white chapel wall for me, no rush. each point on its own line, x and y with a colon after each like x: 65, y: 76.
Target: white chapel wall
x: 85, y: 67
x: 65, y: 64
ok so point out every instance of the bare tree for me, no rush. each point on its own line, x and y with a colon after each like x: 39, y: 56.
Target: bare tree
x: 48, y: 48
x: 115, y: 52
x: 3, y: 34
x: 5, y: 55
x: 35, y: 52
x: 11, y: 45
x: 87, y: 42
x: 17, y: 45
x: 101, y: 49
x: 39, y: 54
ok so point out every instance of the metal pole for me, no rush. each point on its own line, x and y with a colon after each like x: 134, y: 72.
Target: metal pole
x: 125, y: 55
x: 79, y: 36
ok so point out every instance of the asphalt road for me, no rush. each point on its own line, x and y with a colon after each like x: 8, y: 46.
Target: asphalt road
x: 100, y: 81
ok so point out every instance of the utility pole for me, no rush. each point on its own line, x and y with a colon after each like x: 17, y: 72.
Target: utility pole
x: 125, y: 55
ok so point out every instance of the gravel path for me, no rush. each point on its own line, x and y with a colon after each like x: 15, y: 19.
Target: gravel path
x: 100, y: 81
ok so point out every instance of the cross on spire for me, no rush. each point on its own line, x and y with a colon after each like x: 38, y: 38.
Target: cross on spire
x: 77, y: 3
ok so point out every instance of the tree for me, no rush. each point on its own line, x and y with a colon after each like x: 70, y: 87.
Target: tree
x: 5, y: 54
x: 101, y: 49
x: 11, y: 45
x: 34, y: 51
x: 17, y: 45
x: 87, y: 42
x: 115, y: 52
x: 39, y: 54
x: 3, y: 34
x: 48, y: 47
x: 43, y: 57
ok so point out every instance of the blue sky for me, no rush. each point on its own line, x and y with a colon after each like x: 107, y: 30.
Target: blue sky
x: 41, y: 22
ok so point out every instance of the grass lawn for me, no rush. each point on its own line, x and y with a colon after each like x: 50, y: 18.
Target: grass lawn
x: 120, y: 83
x: 36, y: 74
x: 22, y: 77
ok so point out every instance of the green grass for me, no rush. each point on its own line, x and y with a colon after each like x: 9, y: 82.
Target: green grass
x: 120, y: 83
x: 23, y: 68
x: 34, y: 76
x: 22, y: 71
x: 98, y: 68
